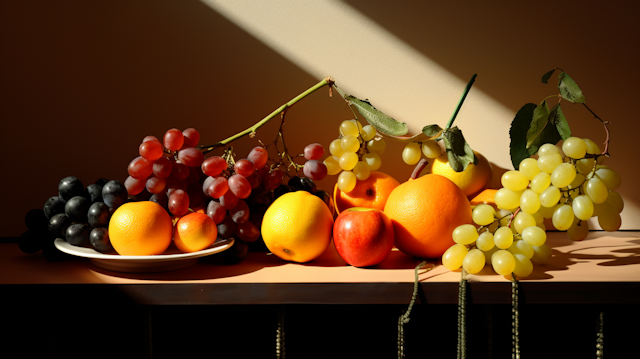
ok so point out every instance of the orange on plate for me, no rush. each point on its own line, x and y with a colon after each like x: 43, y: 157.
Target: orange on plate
x: 472, y: 180
x: 424, y: 213
x: 194, y: 232
x: 140, y: 229
x: 370, y: 193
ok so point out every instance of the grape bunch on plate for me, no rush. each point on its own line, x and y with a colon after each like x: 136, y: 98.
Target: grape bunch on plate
x: 567, y: 186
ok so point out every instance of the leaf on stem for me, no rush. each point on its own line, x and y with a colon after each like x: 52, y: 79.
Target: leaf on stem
x: 538, y: 123
x: 431, y: 130
x: 569, y: 89
x: 459, y: 152
x: 518, y: 134
x: 547, y: 76
x: 376, y: 118
x: 557, y: 118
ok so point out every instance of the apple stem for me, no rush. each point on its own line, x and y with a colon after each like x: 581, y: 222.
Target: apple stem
x: 419, y: 167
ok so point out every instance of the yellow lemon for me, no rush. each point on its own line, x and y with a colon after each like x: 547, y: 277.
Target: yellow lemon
x: 472, y: 180
x: 297, y: 227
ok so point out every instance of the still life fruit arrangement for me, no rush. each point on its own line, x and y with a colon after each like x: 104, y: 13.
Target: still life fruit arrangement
x: 190, y: 195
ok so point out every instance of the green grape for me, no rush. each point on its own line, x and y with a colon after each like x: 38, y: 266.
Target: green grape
x: 485, y: 241
x: 529, y: 201
x: 373, y: 160
x: 514, y: 180
x: 335, y: 148
x: 563, y: 217
x: 609, y: 219
x: 361, y: 170
x: 548, y: 163
x: 582, y: 207
x: 522, y: 221
x: 350, y: 143
x: 483, y: 214
x: 574, y: 147
x: 523, y: 266
x: 488, y: 254
x: 563, y: 175
x: 609, y: 177
x: 596, y: 190
x: 453, y: 257
x: 548, y: 149
x: 541, y: 226
x: 507, y: 199
x: 465, y: 234
x: 474, y: 261
x: 535, y: 236
x: 503, y: 262
x: 585, y: 165
x: 540, y: 182
x: 431, y: 149
x: 503, y: 237
x: 592, y: 147
x: 577, y: 181
x: 538, y: 217
x: 348, y: 160
x: 579, y: 230
x: 522, y: 247
x: 368, y: 133
x: 504, y: 215
x: 350, y: 128
x: 550, y: 196
x: 411, y: 153
x: 615, y: 200
x: 376, y: 146
x: 547, y: 212
x: 541, y: 254
x: 332, y: 164
x: 346, y: 181
x: 529, y: 168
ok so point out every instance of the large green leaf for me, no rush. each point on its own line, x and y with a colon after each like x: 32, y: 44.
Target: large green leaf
x: 547, y: 76
x: 459, y: 152
x: 569, y: 89
x: 431, y: 130
x: 556, y: 117
x: 376, y: 118
x: 538, y: 123
x: 518, y: 134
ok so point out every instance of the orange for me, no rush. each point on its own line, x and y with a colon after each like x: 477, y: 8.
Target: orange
x: 297, y: 227
x: 424, y: 213
x: 194, y: 232
x: 140, y: 229
x: 370, y: 193
x: 472, y: 180
x: 486, y: 197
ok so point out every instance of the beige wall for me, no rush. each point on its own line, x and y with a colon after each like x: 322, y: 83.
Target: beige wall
x: 83, y: 82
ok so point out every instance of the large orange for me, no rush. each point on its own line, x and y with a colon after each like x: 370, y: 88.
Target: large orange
x: 140, y: 229
x: 472, y: 180
x: 370, y: 193
x: 297, y: 227
x: 194, y: 232
x: 424, y: 213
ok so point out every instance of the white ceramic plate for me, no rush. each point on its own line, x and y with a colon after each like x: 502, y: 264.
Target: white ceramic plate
x: 172, y: 259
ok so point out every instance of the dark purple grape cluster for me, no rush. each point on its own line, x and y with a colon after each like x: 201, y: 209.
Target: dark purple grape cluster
x: 80, y: 215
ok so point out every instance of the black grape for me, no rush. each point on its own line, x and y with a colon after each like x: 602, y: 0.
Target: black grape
x: 70, y: 187
x: 98, y: 215
x: 77, y: 234
x: 99, y: 239
x: 114, y: 194
x: 77, y: 208
x: 58, y: 225
x: 53, y: 206
x: 94, y: 193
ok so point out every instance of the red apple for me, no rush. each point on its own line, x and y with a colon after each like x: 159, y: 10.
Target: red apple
x: 363, y: 236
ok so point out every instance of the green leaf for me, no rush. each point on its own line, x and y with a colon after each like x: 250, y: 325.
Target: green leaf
x: 431, y: 130
x: 569, y: 89
x: 518, y: 134
x: 557, y: 118
x: 545, y: 77
x: 459, y: 152
x: 538, y: 123
x: 376, y: 118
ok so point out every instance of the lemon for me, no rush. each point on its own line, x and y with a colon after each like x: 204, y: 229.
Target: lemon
x: 297, y: 227
x: 472, y: 180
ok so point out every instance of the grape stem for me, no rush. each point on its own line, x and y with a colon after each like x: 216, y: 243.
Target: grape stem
x: 464, y: 96
x: 512, y: 217
x: 605, y: 152
x: 251, y: 130
x: 419, y: 167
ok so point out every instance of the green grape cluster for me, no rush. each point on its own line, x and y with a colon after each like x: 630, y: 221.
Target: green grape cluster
x: 354, y: 154
x: 413, y: 151
x: 568, y: 186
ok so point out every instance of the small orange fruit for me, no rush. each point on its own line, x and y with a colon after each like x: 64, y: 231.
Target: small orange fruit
x: 140, y: 229
x: 485, y: 197
x: 194, y: 232
x: 472, y: 180
x: 424, y: 213
x: 297, y: 227
x: 370, y: 193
